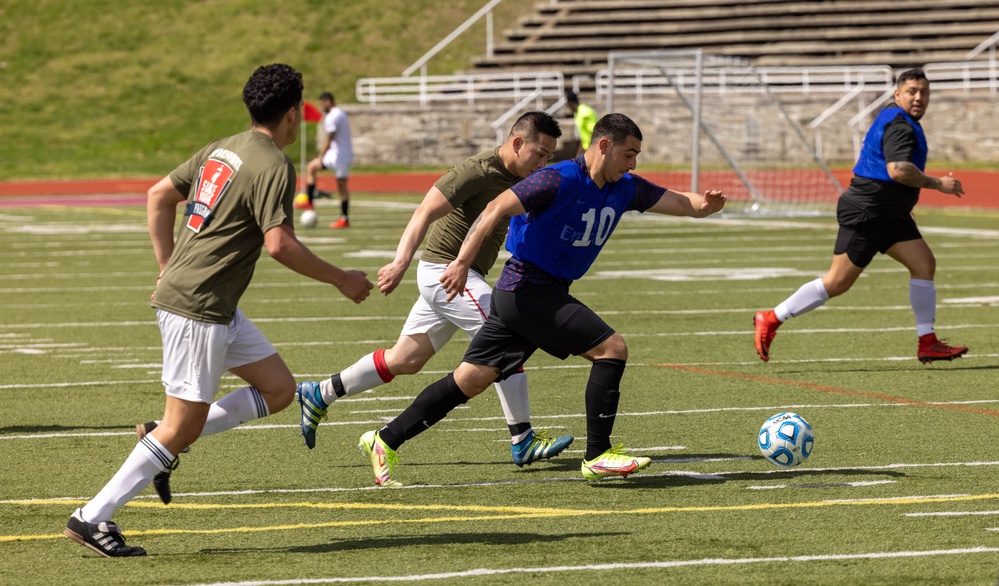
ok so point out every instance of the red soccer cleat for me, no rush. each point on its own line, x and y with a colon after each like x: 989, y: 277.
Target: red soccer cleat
x: 766, y: 324
x: 341, y: 223
x: 930, y: 349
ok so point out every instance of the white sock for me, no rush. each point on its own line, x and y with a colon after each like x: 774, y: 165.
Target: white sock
x: 513, y: 397
x: 235, y: 409
x: 148, y: 458
x: 808, y: 297
x: 367, y: 373
x: 923, y: 299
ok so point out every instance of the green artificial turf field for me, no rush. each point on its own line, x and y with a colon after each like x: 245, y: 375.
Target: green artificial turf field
x: 902, y: 486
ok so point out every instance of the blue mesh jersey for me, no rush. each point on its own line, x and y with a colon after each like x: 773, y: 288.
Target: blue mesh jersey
x: 893, y: 137
x: 567, y: 221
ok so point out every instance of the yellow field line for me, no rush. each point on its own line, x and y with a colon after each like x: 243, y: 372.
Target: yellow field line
x: 512, y: 512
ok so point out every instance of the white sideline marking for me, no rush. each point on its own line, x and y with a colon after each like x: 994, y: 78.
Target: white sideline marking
x: 989, y: 299
x: 477, y: 572
x: 951, y: 514
x: 380, y: 421
x: 830, y: 485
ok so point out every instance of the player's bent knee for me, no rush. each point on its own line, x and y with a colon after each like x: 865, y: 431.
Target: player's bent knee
x: 409, y: 365
x: 613, y: 347
x: 472, y: 379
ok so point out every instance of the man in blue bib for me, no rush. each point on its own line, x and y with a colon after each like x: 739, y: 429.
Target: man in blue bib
x: 875, y: 215
x: 561, y: 217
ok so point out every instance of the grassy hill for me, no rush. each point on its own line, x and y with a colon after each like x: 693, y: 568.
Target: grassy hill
x: 102, y: 88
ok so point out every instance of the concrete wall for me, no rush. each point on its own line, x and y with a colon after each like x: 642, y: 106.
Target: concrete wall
x: 959, y: 128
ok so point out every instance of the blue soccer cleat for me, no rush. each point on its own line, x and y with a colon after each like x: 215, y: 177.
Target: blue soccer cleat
x: 538, y: 446
x: 313, y: 410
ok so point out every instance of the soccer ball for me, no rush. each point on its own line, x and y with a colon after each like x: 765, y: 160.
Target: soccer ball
x: 309, y: 219
x: 786, y: 439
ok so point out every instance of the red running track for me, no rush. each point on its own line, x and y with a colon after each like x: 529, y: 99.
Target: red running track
x: 980, y: 188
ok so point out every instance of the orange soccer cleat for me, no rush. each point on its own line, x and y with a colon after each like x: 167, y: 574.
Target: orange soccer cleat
x: 341, y: 223
x: 930, y: 349
x: 766, y: 328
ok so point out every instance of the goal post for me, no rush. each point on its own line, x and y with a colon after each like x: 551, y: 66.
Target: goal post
x: 742, y: 138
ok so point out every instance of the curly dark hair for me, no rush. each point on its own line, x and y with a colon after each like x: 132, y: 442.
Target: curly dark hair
x: 271, y: 91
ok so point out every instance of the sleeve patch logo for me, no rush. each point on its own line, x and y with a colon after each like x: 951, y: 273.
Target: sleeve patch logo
x: 213, y: 180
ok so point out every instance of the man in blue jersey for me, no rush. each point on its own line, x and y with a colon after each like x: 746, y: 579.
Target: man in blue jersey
x: 875, y: 215
x: 561, y: 218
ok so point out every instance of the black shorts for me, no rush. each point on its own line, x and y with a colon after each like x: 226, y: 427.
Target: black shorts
x: 532, y: 317
x: 862, y: 235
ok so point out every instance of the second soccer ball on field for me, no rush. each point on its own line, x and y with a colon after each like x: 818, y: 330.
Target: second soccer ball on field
x: 786, y: 439
x: 309, y: 219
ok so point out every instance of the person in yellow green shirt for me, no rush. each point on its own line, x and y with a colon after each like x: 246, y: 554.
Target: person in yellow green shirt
x: 585, y: 117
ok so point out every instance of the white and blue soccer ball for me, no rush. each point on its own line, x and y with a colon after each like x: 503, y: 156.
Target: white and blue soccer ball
x: 786, y: 439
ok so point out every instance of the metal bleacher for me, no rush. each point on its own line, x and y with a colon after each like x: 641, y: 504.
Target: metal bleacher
x: 801, y: 46
x: 574, y: 36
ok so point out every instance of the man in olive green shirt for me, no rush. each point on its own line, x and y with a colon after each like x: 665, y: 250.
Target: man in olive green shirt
x: 239, y: 192
x: 451, y: 205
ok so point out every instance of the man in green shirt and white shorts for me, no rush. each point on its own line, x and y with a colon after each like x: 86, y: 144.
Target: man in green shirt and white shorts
x: 239, y: 192
x: 451, y: 205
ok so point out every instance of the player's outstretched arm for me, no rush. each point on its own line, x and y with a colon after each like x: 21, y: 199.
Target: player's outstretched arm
x: 688, y: 203
x: 455, y: 276
x: 907, y: 173
x: 284, y: 247
x: 433, y: 207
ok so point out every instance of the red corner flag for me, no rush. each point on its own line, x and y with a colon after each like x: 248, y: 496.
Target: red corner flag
x: 311, y: 113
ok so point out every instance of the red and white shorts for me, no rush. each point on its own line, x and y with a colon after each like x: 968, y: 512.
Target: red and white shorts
x: 438, y: 318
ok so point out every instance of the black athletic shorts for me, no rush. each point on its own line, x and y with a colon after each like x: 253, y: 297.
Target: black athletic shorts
x: 862, y: 235
x: 532, y: 317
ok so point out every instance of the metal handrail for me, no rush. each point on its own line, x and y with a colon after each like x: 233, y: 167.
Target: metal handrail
x: 803, y: 80
x: 989, y: 43
x: 497, y: 124
x: 468, y: 88
x: 486, y: 11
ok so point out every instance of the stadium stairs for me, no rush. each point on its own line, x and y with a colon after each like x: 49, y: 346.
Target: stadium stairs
x: 575, y: 36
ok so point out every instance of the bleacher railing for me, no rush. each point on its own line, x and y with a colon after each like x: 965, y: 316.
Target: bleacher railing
x: 722, y: 80
x: 462, y: 88
x: 964, y: 75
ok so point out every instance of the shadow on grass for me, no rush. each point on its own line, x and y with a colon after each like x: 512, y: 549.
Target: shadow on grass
x: 401, y: 541
x: 672, y: 479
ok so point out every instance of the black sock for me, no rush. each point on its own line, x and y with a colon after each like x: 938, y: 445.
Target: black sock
x: 519, y: 428
x: 310, y: 190
x: 338, y: 385
x: 429, y: 407
x: 343, y: 208
x: 602, y: 394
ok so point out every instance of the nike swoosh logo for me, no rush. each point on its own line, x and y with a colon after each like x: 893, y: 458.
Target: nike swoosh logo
x: 611, y: 416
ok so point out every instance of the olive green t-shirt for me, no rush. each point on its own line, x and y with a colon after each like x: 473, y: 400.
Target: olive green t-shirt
x: 469, y: 187
x: 238, y: 188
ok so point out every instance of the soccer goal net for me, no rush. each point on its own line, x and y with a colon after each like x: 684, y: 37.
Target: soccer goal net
x: 742, y: 138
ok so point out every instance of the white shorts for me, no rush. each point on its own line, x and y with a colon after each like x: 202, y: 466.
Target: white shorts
x: 433, y: 315
x: 332, y: 160
x: 196, y: 354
